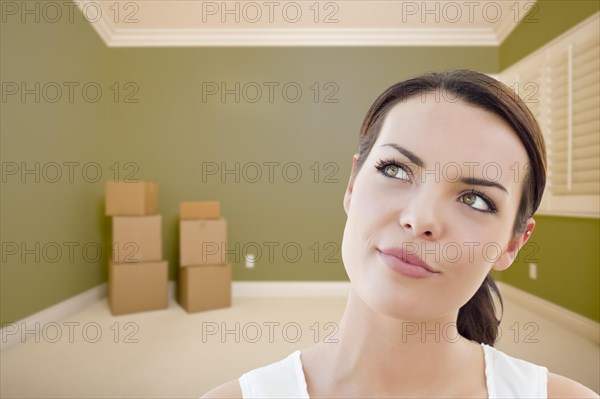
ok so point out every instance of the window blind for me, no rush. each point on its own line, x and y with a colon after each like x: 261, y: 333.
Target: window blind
x: 566, y: 75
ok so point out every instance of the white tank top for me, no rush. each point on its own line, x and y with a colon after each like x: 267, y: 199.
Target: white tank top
x: 506, y: 377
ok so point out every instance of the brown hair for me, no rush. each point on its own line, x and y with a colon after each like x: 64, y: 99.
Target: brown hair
x: 477, y: 318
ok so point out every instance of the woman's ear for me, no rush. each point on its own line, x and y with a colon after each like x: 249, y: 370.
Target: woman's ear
x: 350, y: 187
x: 514, y: 246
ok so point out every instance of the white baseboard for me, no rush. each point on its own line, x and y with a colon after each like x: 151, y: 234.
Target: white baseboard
x: 290, y: 288
x: 68, y: 307
x: 587, y: 328
x: 172, y: 290
x: 55, y: 313
x: 583, y: 326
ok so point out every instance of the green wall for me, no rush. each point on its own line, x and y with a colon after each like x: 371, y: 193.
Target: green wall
x: 170, y: 134
x: 547, y: 20
x: 567, y: 257
x: 49, y: 214
x: 566, y: 249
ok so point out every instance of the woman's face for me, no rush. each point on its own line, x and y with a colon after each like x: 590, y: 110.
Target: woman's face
x: 428, y: 211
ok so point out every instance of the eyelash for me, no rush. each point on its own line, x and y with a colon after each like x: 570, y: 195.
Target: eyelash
x: 384, y: 163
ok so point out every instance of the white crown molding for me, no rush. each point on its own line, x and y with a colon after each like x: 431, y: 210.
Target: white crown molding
x: 104, y: 28
x: 296, y: 37
x: 150, y: 32
x: 505, y: 26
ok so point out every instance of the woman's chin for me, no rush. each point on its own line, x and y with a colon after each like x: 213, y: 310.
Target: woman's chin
x: 385, y: 298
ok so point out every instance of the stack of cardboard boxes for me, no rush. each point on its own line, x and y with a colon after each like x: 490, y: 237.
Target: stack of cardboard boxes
x: 137, y: 274
x: 204, y: 275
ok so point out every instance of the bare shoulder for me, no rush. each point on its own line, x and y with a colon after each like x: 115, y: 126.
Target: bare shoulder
x: 563, y: 387
x: 230, y: 389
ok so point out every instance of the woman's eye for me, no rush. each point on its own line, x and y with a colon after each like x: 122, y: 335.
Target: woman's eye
x: 478, y: 202
x: 474, y: 198
x: 393, y: 170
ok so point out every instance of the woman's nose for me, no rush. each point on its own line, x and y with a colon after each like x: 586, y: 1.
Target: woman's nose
x: 420, y: 217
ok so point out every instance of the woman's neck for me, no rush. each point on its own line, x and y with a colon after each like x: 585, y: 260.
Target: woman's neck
x: 384, y: 356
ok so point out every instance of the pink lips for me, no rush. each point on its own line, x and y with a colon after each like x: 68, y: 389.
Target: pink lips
x: 406, y: 263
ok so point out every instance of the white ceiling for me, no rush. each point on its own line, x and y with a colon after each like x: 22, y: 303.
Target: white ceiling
x: 135, y: 23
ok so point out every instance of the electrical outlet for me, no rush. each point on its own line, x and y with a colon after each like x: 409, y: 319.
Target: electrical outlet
x: 250, y: 261
x: 533, y: 271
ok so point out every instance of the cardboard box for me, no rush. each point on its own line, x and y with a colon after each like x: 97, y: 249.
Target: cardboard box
x: 137, y: 287
x: 131, y: 199
x: 136, y: 238
x: 204, y: 287
x: 200, y: 210
x: 202, y: 242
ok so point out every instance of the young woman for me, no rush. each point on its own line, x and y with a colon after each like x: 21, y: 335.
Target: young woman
x: 450, y: 169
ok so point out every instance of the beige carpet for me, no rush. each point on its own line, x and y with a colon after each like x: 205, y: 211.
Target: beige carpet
x: 172, y: 354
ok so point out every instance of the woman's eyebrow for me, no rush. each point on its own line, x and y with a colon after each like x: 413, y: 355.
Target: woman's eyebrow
x: 408, y: 154
x: 467, y: 180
